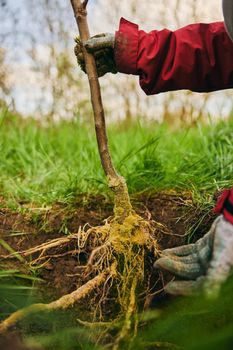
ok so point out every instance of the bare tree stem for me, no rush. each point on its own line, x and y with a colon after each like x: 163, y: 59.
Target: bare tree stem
x: 122, y: 201
x: 81, y: 19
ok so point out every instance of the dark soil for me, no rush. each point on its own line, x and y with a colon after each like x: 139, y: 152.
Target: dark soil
x: 175, y: 212
x: 32, y: 226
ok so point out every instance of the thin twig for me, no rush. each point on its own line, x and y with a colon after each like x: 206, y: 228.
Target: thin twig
x: 56, y: 242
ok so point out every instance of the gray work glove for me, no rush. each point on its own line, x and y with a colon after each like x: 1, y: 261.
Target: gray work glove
x: 204, y: 265
x: 102, y: 47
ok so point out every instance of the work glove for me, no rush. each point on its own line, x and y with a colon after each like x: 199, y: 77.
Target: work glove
x: 102, y: 47
x: 206, y: 264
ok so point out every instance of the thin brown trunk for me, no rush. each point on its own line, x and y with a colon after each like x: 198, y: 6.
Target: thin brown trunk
x: 81, y: 19
x: 116, y: 182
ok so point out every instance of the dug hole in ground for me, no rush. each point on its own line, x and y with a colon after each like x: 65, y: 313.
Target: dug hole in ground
x: 61, y: 266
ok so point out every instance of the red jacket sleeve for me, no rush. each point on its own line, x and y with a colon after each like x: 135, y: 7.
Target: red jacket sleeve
x: 198, y: 57
x: 225, y: 205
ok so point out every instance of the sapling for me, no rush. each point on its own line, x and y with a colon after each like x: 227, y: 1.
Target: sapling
x: 120, y: 247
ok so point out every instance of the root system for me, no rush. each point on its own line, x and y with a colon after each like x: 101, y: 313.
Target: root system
x: 118, y: 252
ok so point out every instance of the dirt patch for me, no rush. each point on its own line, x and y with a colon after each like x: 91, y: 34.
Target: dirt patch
x: 60, y: 271
x: 175, y: 213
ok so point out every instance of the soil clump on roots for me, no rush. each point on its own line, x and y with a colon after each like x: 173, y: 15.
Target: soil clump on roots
x: 118, y: 258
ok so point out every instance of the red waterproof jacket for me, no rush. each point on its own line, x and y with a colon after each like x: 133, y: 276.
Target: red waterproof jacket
x: 198, y: 57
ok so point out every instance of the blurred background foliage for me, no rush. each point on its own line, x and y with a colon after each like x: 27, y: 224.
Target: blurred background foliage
x: 39, y: 75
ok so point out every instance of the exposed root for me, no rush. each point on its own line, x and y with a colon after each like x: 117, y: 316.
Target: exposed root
x: 47, y: 258
x: 63, y: 303
x: 117, y: 252
x: 57, y: 242
x: 95, y: 325
x: 130, y: 318
x: 125, y: 248
x: 117, y: 264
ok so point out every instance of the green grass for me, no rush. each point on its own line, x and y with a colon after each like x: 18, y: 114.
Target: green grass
x: 44, y: 165
x: 57, y: 162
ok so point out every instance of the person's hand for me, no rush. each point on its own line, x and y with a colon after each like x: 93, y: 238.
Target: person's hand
x: 204, y: 265
x: 102, y: 47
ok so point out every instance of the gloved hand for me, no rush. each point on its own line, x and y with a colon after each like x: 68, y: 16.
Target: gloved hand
x: 102, y: 47
x: 204, y: 265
